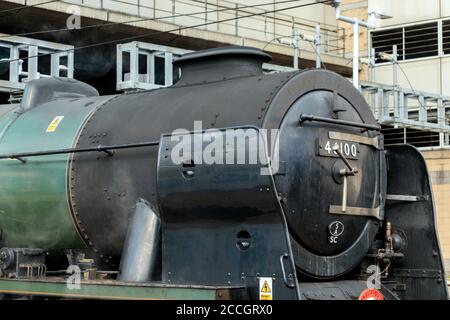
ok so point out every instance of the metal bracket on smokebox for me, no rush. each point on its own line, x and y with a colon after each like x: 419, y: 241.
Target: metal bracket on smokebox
x: 407, y: 198
x: 229, y: 210
x: 375, y: 143
x: 344, y: 209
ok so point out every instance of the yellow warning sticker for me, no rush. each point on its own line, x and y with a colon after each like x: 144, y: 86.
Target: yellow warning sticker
x: 265, y: 289
x: 54, y: 124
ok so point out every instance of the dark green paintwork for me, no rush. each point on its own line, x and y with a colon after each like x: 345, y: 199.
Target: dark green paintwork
x: 34, y: 208
x: 115, y: 290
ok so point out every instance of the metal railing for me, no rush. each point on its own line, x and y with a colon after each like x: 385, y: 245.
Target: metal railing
x: 137, y: 64
x: 265, y: 27
x: 20, y: 62
x: 427, y: 114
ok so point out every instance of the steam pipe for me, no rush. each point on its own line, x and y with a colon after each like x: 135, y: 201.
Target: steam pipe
x: 140, y: 252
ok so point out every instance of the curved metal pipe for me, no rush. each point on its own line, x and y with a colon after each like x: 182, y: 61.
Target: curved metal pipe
x: 140, y: 253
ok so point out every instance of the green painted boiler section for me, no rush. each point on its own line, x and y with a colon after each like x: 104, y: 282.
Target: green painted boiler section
x: 34, y: 204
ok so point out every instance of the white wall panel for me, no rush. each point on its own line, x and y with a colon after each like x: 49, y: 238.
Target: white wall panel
x: 446, y: 76
x: 445, y: 8
x: 120, y: 7
x: 424, y: 75
x: 406, y: 11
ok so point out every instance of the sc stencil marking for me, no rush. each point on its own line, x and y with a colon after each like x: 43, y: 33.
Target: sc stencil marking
x: 336, y: 229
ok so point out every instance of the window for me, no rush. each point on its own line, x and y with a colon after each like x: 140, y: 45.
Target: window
x: 383, y: 41
x: 421, y: 41
x: 446, y: 36
x: 418, y: 41
x: 417, y: 138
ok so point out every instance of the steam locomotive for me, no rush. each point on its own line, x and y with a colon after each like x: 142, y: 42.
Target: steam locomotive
x: 98, y: 201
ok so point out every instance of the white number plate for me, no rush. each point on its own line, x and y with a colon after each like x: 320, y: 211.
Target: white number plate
x: 349, y: 149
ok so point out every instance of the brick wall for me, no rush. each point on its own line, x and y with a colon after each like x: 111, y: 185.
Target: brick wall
x: 356, y: 9
x: 438, y: 163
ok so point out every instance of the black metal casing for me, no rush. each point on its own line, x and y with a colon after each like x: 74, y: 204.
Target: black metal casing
x: 206, y: 217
